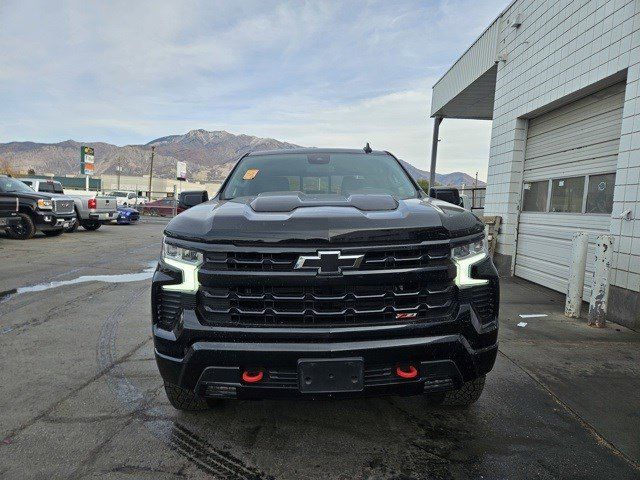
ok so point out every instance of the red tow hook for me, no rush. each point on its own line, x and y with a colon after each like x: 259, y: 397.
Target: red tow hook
x: 252, y: 376
x: 407, y: 372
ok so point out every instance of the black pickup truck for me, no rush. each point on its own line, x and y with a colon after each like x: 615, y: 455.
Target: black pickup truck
x: 37, y: 210
x: 324, y: 273
x: 9, y: 206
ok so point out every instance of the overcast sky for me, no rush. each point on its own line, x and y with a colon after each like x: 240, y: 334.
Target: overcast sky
x: 333, y: 73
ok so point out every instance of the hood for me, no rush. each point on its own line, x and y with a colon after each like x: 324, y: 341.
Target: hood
x: 59, y: 195
x: 35, y: 195
x: 332, y: 219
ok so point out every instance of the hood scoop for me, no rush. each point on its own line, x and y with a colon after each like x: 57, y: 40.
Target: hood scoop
x: 280, y: 202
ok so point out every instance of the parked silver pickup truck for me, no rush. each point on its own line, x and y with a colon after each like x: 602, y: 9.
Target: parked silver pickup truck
x: 92, y: 210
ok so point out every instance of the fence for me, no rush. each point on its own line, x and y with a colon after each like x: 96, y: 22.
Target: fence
x: 476, y: 196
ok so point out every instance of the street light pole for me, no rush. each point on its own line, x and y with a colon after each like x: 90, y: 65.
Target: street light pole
x: 153, y: 151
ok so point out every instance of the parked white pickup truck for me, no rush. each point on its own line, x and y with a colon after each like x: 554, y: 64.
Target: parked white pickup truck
x: 92, y: 210
x: 128, y: 199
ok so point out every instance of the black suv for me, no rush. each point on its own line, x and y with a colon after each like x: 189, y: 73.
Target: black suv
x: 37, y: 211
x: 324, y: 273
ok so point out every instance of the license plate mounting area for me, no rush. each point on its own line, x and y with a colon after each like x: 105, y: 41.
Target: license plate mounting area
x: 335, y: 375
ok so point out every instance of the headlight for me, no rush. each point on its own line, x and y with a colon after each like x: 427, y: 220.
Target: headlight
x: 467, y: 255
x: 186, y: 260
x: 44, y: 204
x: 183, y: 255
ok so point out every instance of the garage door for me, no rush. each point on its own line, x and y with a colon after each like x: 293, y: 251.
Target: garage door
x: 569, y: 177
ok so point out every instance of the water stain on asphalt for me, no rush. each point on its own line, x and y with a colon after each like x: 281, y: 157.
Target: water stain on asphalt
x: 146, y: 274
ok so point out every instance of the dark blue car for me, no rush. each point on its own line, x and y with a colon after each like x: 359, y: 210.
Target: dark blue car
x: 127, y: 215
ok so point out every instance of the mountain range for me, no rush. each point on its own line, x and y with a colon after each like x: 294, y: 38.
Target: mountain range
x: 210, y: 155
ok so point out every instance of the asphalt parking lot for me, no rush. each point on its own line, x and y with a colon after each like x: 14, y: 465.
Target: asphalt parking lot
x: 80, y: 395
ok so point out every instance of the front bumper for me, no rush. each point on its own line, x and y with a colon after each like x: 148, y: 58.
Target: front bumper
x: 214, y: 369
x: 210, y: 360
x: 47, y: 220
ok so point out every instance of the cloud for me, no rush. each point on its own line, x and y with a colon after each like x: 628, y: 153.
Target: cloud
x: 312, y: 73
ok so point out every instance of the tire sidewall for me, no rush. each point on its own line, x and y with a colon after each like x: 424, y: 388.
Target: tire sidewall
x: 26, y: 230
x: 91, y: 225
x: 75, y: 224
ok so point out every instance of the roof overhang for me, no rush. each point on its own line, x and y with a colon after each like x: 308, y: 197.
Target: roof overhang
x: 467, y: 89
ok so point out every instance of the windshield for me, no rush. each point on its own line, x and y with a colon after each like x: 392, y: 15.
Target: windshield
x: 320, y: 174
x: 50, y: 187
x: 118, y: 194
x: 9, y: 185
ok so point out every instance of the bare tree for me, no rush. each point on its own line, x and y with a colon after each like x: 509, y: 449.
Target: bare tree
x: 6, y: 168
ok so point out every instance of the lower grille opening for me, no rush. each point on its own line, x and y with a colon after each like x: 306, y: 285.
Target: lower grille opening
x: 483, y: 300
x: 169, y: 306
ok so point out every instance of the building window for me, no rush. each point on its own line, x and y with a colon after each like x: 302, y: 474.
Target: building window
x: 535, y: 196
x: 600, y: 193
x: 571, y: 195
x: 567, y: 195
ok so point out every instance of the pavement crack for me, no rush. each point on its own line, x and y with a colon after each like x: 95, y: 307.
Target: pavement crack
x: 103, y: 370
x: 177, y: 437
x: 573, y: 413
x: 52, y: 314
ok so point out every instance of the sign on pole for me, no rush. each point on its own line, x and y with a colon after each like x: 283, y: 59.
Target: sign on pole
x: 181, y: 171
x: 86, y: 160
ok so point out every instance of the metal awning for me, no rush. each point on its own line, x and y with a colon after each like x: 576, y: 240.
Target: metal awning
x: 475, y: 101
x: 467, y: 89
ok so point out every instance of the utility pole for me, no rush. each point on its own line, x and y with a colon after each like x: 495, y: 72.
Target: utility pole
x: 118, y: 171
x: 153, y: 151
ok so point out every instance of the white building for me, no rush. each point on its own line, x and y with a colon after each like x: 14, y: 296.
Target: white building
x: 160, y: 187
x: 559, y: 79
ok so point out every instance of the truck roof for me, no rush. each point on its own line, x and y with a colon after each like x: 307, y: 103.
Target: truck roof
x: 311, y: 150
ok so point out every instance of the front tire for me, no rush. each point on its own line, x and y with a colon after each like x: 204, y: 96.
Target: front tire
x: 53, y: 233
x: 91, y: 225
x: 463, y: 397
x: 25, y: 229
x: 185, y: 400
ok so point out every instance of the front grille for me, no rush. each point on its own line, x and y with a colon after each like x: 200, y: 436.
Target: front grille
x: 483, y: 301
x: 63, y: 206
x: 262, y: 288
x: 317, y: 306
x: 400, y: 257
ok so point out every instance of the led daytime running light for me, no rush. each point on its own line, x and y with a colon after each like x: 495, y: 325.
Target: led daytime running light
x: 465, y: 257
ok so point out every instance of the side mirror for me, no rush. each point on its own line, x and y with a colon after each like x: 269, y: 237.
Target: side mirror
x: 192, y: 198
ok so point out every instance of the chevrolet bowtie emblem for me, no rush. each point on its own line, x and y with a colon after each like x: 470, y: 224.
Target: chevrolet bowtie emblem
x: 329, y: 262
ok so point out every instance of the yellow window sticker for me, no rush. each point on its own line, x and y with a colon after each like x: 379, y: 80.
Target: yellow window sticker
x: 250, y: 174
